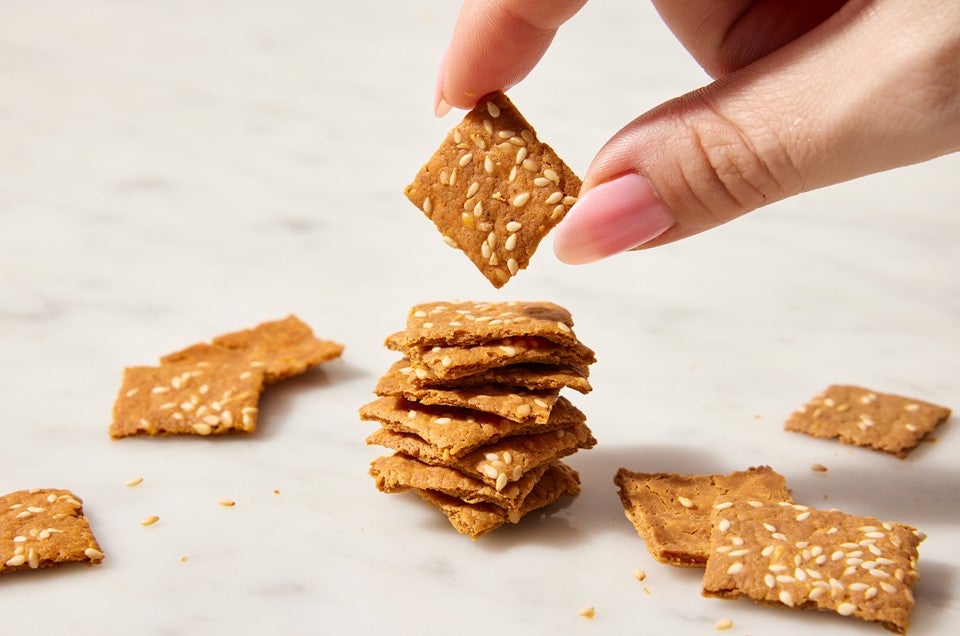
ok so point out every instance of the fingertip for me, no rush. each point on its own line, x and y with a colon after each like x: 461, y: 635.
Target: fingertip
x: 441, y: 107
x: 610, y: 218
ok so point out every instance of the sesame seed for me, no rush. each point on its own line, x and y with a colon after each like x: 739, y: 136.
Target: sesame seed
x: 889, y: 588
x: 803, y: 516
x: 136, y: 481
x: 501, y: 481
x: 513, y: 266
x: 770, y: 581
x: 488, y: 165
x: 735, y: 568
x: 514, y: 226
x: 521, y: 156
x: 33, y: 559
x: 520, y: 200
x: 769, y: 527
x: 93, y: 553
x: 449, y: 241
x: 23, y: 514
x: 910, y: 427
x: 149, y: 520
x: 133, y: 392
x: 510, y: 243
x: 212, y: 420
x: 722, y: 624
x: 16, y: 560
x: 846, y: 609
x: 879, y: 573
x: 453, y: 177
x: 685, y: 502
x: 911, y: 407
x: 858, y: 587
x: 465, y: 159
x: 442, y: 420
x: 202, y: 429
x: 227, y: 503
x: 488, y: 125
x: 587, y: 612
x: 569, y: 200
x: 485, y: 250
x: 740, y: 552
x: 159, y: 389
x: 818, y: 468
x: 755, y: 503
x: 723, y: 525
x: 767, y: 551
x: 510, y: 351
x: 816, y: 593
x: 554, y: 198
x: 541, y: 182
x: 446, y: 361
x: 551, y: 174
x: 786, y: 598
x: 870, y: 593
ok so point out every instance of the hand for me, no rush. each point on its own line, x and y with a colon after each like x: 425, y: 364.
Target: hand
x: 808, y: 94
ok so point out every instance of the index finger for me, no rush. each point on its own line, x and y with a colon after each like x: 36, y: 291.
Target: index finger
x: 495, y: 44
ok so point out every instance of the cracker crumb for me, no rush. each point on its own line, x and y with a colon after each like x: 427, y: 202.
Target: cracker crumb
x: 183, y: 559
x: 723, y: 624
x: 818, y: 468
x: 640, y: 575
x: 588, y: 612
x: 136, y: 481
x: 149, y: 520
x: 226, y: 503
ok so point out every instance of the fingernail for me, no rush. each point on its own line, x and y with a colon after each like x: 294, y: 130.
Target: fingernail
x: 441, y: 108
x: 440, y: 105
x: 611, y: 218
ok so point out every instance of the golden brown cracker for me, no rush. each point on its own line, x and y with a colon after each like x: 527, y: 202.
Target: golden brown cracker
x: 672, y: 512
x: 282, y: 348
x: 493, y: 189
x: 471, y: 323
x: 189, y: 398
x: 782, y: 553
x: 861, y: 417
x: 446, y: 363
x: 456, y: 432
x: 398, y: 472
x: 44, y: 527
x: 496, y: 464
x: 519, y: 405
x: 475, y: 520
x: 532, y: 376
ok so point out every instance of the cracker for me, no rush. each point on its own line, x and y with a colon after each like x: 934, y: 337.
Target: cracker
x: 398, y: 472
x: 456, y: 432
x: 782, y: 553
x: 475, y: 520
x: 532, y: 376
x: 44, y: 527
x: 469, y: 323
x: 445, y: 363
x: 189, y: 398
x: 496, y: 464
x: 493, y: 189
x: 672, y: 512
x: 519, y: 405
x: 861, y: 417
x: 283, y: 348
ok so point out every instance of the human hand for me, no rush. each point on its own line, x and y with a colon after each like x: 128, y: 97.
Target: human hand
x: 808, y: 94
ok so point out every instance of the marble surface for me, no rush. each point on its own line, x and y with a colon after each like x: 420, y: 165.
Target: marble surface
x: 174, y: 170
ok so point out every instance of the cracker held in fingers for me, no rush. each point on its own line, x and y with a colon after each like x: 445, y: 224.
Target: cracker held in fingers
x: 493, y: 189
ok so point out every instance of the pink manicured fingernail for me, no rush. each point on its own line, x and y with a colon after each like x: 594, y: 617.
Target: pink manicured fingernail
x: 440, y: 105
x: 611, y: 218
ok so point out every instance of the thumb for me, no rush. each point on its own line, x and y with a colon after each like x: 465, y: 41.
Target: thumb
x: 857, y: 95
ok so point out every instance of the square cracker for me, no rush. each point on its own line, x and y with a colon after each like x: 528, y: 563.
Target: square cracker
x: 455, y: 432
x: 470, y: 323
x: 672, y: 512
x: 446, y: 363
x: 188, y: 398
x: 493, y: 189
x: 782, y: 553
x: 861, y: 417
x: 283, y: 348
x: 531, y: 375
x: 475, y: 520
x: 496, y: 464
x: 44, y: 527
x: 398, y: 472
x: 519, y: 405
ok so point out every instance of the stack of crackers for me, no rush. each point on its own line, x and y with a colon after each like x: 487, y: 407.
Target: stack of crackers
x: 753, y: 540
x: 474, y: 413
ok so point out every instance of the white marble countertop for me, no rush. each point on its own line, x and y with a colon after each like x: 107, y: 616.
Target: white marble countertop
x: 170, y: 171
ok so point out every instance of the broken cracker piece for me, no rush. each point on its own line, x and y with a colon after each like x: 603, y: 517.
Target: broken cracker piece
x: 531, y: 376
x: 44, y: 527
x: 861, y: 417
x: 190, y: 398
x: 493, y: 189
x: 672, y: 512
x: 782, y: 553
x: 475, y: 520
x: 283, y: 348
